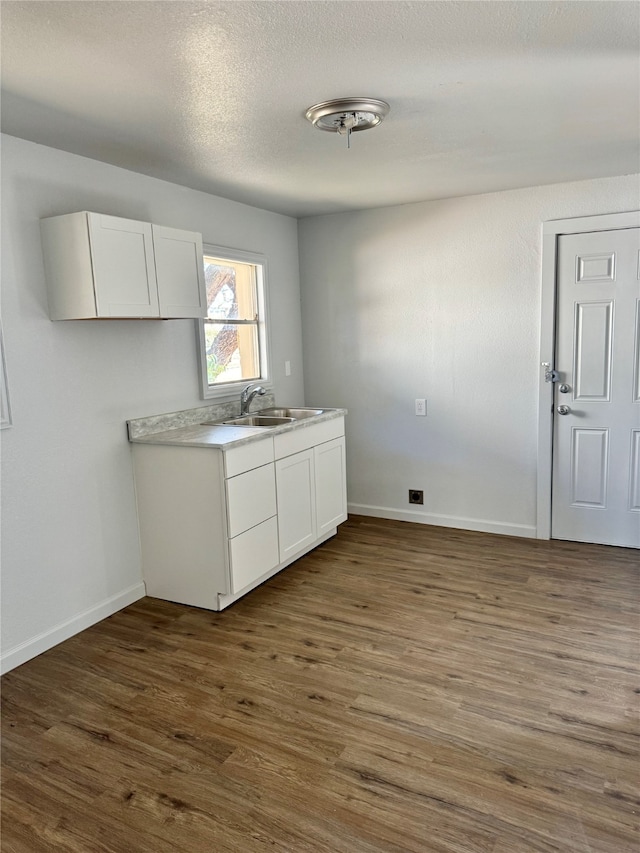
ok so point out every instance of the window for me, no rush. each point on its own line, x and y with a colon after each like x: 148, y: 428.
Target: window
x: 232, y: 340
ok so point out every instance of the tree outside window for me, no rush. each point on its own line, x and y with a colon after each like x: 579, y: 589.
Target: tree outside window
x: 233, y: 334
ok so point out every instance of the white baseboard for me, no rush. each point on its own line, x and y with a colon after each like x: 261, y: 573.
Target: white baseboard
x: 504, y: 528
x: 42, y: 642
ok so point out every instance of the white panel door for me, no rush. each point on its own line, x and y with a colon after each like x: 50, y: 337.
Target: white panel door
x: 331, y: 485
x: 596, y: 449
x: 123, y: 267
x: 180, y: 272
x: 295, y: 491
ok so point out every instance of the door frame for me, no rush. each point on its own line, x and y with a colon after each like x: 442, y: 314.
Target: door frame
x: 551, y: 231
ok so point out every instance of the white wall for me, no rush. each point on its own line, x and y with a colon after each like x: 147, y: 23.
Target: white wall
x: 438, y: 300
x: 70, y: 551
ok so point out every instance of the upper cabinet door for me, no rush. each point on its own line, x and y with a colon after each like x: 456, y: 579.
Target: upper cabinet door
x: 180, y: 272
x: 123, y: 267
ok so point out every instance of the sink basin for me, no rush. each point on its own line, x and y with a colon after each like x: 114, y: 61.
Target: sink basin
x: 269, y: 417
x: 258, y: 421
x: 291, y: 414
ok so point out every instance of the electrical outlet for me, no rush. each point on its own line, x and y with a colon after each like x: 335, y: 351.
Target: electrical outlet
x: 421, y: 407
x: 287, y: 368
x: 416, y: 496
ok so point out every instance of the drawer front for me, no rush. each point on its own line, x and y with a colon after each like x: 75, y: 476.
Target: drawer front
x: 253, y: 554
x: 251, y: 498
x: 237, y: 460
x: 302, y: 439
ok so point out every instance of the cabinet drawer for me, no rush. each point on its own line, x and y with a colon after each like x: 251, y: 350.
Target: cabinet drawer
x: 302, y: 439
x: 253, y: 554
x: 251, y: 498
x: 248, y: 456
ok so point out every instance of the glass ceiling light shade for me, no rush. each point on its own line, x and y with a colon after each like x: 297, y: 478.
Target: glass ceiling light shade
x: 345, y: 115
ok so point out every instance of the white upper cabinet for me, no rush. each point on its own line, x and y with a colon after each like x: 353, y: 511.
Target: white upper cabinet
x: 100, y: 266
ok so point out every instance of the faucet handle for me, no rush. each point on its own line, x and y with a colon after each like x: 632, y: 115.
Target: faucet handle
x: 248, y: 393
x: 257, y: 389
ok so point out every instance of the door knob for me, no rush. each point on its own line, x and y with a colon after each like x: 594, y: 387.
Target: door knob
x: 563, y: 410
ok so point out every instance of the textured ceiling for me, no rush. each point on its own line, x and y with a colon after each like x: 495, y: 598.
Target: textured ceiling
x: 484, y: 95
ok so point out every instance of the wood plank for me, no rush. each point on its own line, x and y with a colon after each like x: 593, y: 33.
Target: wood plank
x: 401, y: 689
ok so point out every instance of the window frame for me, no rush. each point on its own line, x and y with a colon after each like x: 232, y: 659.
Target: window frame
x: 231, y: 390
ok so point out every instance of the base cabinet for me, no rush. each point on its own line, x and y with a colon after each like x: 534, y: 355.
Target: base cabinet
x: 214, y: 524
x: 312, y: 496
x: 182, y: 523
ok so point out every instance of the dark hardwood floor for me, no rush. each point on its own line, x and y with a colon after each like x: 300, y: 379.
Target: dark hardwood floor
x: 402, y: 689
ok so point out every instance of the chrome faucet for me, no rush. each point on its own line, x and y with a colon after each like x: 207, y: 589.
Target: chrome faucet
x: 247, y: 396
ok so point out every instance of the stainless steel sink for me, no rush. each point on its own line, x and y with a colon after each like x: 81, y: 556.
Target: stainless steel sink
x: 291, y: 414
x: 269, y: 417
x: 258, y: 421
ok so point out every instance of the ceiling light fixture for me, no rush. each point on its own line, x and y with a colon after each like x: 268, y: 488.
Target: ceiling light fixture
x: 345, y: 115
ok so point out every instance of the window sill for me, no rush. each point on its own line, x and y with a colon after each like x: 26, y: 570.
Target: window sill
x: 229, y: 393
